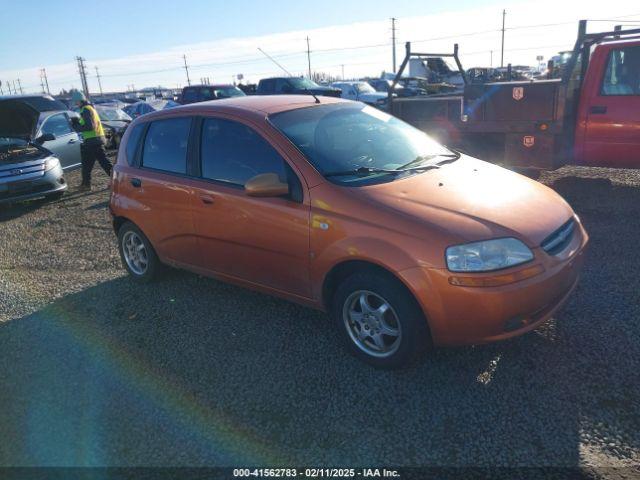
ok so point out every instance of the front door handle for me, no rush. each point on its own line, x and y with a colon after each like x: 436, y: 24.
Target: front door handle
x: 598, y: 109
x: 136, y: 182
x: 207, y: 200
x: 73, y: 140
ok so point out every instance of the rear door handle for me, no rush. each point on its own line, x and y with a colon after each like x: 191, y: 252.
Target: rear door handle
x: 598, y: 109
x: 206, y: 199
x: 136, y: 182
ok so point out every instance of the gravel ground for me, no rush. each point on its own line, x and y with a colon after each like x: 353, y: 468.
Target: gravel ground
x: 96, y: 370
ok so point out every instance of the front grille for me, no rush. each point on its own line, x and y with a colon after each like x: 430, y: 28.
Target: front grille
x: 560, y: 239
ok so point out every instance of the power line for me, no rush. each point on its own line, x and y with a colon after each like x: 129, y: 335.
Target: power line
x: 271, y: 58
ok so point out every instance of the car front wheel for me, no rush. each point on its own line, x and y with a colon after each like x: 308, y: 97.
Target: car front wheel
x: 379, y: 320
x: 137, y: 254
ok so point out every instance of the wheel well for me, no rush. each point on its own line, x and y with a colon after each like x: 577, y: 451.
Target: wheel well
x: 341, y: 271
x: 118, y: 222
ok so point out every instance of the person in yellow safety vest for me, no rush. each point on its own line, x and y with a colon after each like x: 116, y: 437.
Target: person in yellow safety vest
x: 93, y: 139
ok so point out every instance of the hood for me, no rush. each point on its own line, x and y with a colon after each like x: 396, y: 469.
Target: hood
x: 17, y: 119
x: 475, y: 200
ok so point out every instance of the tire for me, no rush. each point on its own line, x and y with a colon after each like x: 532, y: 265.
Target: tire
x: 408, y: 331
x: 142, y: 262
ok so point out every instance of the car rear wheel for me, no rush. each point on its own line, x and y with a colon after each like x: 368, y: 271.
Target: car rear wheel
x: 379, y: 320
x: 137, y: 254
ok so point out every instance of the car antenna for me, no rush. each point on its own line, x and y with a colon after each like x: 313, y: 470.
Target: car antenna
x: 312, y: 94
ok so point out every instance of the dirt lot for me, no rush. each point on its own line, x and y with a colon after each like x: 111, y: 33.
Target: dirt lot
x: 96, y: 370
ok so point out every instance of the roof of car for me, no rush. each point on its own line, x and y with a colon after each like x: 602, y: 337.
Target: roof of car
x: 256, y: 104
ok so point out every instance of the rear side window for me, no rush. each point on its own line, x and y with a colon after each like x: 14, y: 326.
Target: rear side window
x: 622, y: 76
x: 165, y: 146
x: 133, y: 141
x: 232, y: 152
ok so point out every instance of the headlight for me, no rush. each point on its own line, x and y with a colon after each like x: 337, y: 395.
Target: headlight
x: 487, y: 255
x: 51, y: 162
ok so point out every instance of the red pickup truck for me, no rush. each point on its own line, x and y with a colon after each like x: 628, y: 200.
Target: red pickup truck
x: 590, y: 116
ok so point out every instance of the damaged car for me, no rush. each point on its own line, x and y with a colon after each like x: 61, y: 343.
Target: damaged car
x: 36, y: 144
x: 28, y: 171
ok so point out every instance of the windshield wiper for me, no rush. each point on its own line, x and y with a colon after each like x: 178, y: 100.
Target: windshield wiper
x: 360, y: 171
x: 423, y: 158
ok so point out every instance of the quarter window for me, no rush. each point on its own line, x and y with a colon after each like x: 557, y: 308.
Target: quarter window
x: 58, y: 125
x: 622, y: 76
x: 133, y: 141
x: 233, y: 153
x: 165, y: 146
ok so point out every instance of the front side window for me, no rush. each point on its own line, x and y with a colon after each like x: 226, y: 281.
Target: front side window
x: 233, y: 153
x: 345, y: 137
x: 58, y: 125
x: 622, y: 75
x: 165, y: 146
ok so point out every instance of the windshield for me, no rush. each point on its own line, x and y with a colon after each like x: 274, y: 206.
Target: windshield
x: 345, y: 137
x: 112, y: 114
x: 228, y: 92
x: 364, y: 88
x: 302, y: 83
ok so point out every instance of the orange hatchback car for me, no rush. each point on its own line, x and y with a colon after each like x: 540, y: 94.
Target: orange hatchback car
x: 339, y: 206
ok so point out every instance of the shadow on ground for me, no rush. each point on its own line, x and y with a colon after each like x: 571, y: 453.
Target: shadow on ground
x: 190, y: 371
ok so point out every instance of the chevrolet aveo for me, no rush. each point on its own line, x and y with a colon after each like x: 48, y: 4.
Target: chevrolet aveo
x: 339, y: 206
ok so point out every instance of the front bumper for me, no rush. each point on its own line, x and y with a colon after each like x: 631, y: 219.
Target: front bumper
x: 19, y: 190
x: 460, y: 315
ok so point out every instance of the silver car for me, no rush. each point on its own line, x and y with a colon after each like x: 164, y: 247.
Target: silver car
x: 36, y: 144
x: 28, y: 171
x: 43, y: 120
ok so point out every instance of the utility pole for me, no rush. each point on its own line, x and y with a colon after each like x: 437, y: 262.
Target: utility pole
x: 43, y: 74
x: 186, y: 68
x: 309, y: 58
x: 491, y: 63
x: 342, y: 71
x: 393, y: 42
x: 20, y: 86
x: 83, y: 76
x: 99, y: 82
x: 504, y: 14
x: 42, y: 84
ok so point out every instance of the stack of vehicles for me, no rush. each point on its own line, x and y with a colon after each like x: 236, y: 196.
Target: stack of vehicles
x: 589, y: 116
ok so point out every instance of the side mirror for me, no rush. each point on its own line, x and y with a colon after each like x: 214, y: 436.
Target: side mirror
x: 47, y: 137
x: 266, y: 185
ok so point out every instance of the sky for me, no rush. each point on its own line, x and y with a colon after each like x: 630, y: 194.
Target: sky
x: 141, y: 43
